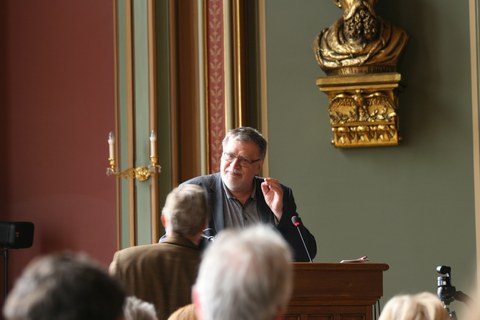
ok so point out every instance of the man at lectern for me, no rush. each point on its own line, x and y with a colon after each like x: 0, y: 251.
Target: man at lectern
x: 238, y: 197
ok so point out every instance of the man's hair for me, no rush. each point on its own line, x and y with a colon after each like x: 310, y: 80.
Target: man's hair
x: 247, y: 134
x: 245, y: 275
x: 421, y: 306
x: 186, y: 208
x: 64, y: 286
x: 184, y: 313
x: 137, y: 309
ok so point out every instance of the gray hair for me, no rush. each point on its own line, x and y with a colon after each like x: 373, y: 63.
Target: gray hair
x: 64, y: 286
x: 245, y: 275
x: 186, y: 208
x: 247, y: 134
x: 421, y: 306
x: 137, y: 309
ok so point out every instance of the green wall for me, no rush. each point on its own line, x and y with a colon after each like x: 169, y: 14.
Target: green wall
x: 410, y: 206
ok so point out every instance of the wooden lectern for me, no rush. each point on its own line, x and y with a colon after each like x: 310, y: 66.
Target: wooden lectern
x: 335, y: 291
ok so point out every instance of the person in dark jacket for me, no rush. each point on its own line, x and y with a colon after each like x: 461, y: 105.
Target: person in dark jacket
x: 238, y: 197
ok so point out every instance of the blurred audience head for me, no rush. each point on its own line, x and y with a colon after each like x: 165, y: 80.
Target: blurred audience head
x: 137, y: 309
x: 244, y: 275
x: 185, y: 211
x: 65, y: 286
x: 184, y: 313
x: 421, y: 306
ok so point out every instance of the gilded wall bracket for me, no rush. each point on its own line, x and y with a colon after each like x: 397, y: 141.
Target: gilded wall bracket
x: 362, y: 109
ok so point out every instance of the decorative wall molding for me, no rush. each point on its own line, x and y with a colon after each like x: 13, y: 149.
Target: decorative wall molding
x: 215, y: 55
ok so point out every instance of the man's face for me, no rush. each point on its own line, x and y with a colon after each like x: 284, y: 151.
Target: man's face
x: 240, y: 163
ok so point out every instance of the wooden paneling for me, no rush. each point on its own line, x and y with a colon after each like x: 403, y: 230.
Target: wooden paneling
x: 335, y: 291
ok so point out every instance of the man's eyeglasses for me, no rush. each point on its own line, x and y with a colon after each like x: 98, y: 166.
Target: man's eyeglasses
x: 244, y: 162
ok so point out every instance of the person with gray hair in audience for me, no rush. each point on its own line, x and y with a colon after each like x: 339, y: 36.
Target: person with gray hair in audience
x: 65, y: 286
x: 420, y: 306
x: 163, y: 273
x: 246, y: 274
x: 137, y: 309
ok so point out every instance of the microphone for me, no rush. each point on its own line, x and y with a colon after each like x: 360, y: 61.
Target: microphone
x: 296, y: 223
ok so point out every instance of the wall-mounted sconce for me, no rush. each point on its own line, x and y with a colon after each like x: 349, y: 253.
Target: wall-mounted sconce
x: 359, y: 54
x: 140, y: 173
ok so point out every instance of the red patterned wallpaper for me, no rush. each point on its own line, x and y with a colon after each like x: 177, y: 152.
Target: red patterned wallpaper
x: 215, y: 82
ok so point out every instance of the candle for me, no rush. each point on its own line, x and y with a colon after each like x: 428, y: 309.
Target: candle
x: 153, y: 144
x: 111, y: 146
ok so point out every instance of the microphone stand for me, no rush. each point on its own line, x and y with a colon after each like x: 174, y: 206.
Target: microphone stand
x: 304, y: 245
x: 296, y: 223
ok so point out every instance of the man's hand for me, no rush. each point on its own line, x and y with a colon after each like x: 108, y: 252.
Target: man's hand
x: 273, y: 193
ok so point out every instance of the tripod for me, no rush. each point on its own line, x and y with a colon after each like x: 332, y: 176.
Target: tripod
x: 448, y: 293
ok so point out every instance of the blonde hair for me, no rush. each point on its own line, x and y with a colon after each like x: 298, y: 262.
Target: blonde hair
x: 184, y: 313
x: 421, y: 306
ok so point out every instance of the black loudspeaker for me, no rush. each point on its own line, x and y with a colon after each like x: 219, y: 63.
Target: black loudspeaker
x: 16, y: 235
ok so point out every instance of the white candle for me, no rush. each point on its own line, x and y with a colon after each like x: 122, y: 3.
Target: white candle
x: 111, y: 146
x: 153, y: 144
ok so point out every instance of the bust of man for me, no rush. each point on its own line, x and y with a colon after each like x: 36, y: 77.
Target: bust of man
x: 359, y: 42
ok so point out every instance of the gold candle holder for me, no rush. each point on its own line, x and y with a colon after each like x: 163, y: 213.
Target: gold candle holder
x: 142, y: 173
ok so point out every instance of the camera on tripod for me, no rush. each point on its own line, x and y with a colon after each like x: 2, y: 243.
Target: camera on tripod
x: 446, y: 292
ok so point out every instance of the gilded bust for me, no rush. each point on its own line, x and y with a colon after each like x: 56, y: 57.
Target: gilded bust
x: 359, y: 42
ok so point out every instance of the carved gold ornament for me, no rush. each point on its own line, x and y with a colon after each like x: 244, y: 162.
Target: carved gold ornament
x: 359, y: 54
